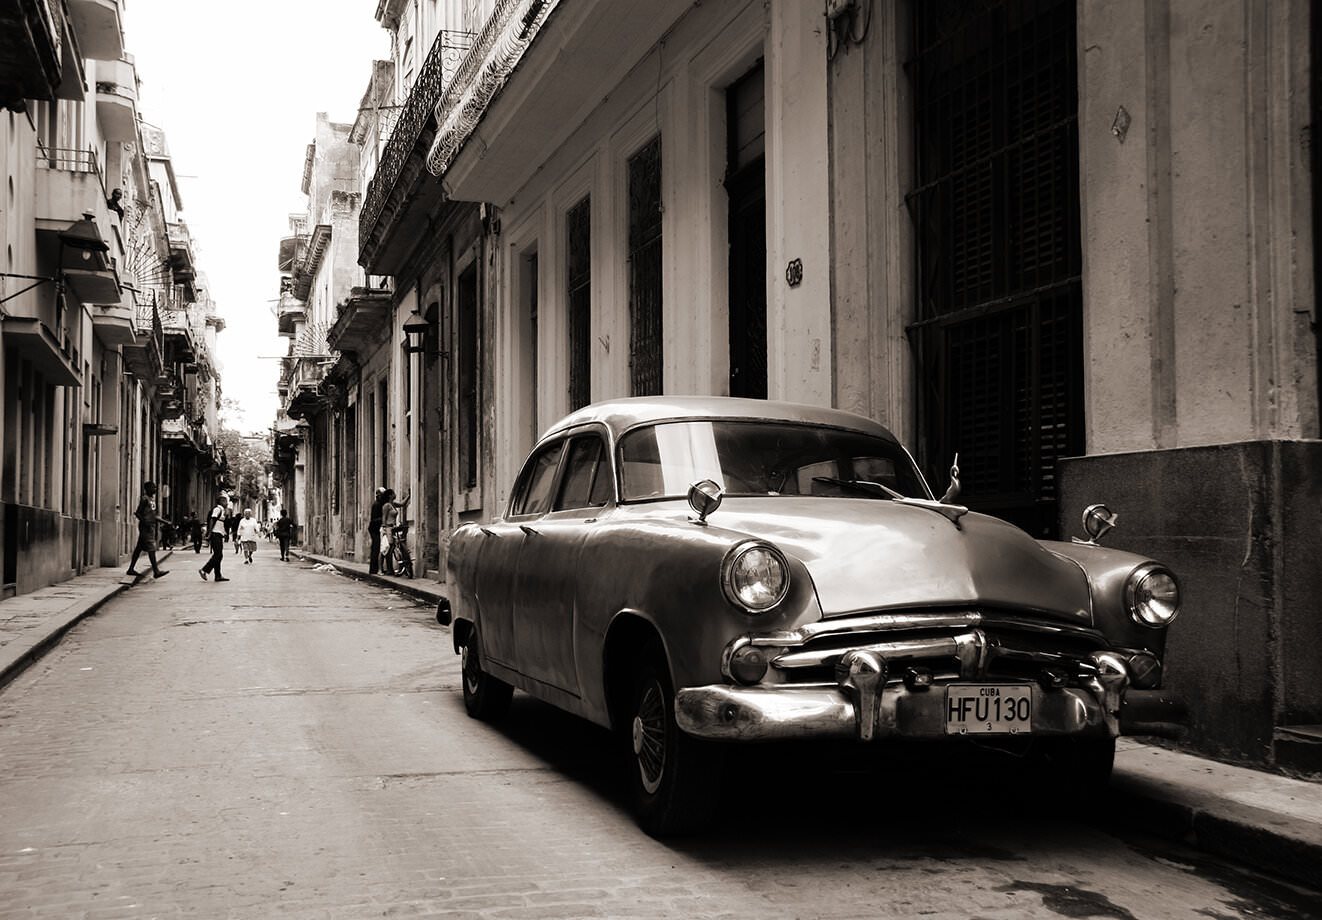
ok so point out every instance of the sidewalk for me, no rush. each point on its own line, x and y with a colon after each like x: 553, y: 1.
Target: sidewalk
x: 1250, y: 816
x: 32, y: 623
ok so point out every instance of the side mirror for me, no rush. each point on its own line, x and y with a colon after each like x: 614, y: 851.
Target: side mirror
x: 704, y: 498
x: 1097, y: 520
x: 952, y: 492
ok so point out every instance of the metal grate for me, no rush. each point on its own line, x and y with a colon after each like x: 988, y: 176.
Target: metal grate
x: 996, y: 211
x: 579, y: 231
x: 645, y: 270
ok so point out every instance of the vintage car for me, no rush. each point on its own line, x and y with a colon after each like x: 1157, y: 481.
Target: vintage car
x: 701, y: 570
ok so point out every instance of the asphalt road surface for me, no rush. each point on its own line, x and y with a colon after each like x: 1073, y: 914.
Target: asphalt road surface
x: 293, y: 743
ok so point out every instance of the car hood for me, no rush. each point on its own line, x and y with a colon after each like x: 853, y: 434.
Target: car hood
x: 870, y: 554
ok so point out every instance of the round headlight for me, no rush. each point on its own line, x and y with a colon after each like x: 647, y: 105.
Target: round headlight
x: 755, y: 576
x: 1152, y: 595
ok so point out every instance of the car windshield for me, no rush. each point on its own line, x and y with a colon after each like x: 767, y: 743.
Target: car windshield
x: 763, y: 458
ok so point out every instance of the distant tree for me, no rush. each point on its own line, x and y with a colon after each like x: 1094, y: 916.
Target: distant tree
x: 247, y: 455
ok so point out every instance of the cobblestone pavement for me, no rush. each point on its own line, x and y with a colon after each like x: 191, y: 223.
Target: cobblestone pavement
x: 293, y: 744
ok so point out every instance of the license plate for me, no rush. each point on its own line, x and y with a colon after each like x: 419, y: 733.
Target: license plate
x: 988, y: 709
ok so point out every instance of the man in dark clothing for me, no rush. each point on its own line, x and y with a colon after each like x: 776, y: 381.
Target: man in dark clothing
x: 195, y: 531
x: 284, y: 530
x: 216, y: 530
x: 148, y: 520
x: 374, y: 531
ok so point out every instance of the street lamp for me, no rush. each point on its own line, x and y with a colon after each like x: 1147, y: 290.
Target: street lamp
x: 416, y: 328
x: 82, y: 238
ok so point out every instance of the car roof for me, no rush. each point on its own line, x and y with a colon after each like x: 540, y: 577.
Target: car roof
x: 619, y: 415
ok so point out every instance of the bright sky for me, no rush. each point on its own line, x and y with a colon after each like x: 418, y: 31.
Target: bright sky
x: 237, y: 87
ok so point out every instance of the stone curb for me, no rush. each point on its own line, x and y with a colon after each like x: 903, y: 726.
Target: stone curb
x: 1280, y: 844
x: 415, y: 587
x: 22, y: 653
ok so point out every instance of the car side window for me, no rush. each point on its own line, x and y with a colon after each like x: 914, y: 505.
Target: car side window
x: 586, y: 482
x: 533, y: 493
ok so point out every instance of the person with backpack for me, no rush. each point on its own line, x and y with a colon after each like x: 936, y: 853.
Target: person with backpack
x: 217, y: 528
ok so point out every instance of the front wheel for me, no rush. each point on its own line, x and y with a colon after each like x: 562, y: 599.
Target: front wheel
x: 485, y: 697
x: 675, y: 778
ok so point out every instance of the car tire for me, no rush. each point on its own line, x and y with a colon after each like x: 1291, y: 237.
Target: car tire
x: 485, y: 697
x: 675, y: 778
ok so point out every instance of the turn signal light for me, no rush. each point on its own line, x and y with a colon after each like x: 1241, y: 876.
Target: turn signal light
x: 1144, y: 671
x: 748, y: 664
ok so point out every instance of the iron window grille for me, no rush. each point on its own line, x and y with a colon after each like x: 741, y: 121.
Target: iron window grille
x: 996, y: 211
x: 645, y: 358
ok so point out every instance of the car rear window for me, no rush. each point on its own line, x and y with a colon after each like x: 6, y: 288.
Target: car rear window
x: 761, y: 458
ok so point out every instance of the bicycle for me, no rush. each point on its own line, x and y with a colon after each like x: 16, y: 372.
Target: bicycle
x: 395, y: 557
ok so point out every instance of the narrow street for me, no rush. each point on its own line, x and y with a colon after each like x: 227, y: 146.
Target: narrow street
x: 293, y: 743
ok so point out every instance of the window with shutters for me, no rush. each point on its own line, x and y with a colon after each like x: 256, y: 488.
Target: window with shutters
x: 579, y: 272
x: 467, y: 335
x: 999, y: 331
x: 645, y: 270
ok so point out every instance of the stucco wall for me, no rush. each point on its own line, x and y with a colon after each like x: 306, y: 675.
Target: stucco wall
x: 1198, y: 286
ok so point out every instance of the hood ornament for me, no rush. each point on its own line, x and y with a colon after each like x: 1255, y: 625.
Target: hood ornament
x: 1097, y: 520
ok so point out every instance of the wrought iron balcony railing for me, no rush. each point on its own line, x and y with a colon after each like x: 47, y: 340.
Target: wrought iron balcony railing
x: 443, y: 62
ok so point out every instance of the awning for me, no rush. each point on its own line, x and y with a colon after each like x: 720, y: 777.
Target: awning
x: 39, y: 346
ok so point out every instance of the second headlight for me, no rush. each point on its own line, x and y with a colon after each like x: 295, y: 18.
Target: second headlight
x: 1152, y: 595
x: 755, y: 576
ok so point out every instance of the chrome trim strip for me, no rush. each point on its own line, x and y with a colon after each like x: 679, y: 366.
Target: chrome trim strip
x: 898, y: 622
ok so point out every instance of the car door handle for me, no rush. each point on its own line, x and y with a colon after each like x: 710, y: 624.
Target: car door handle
x: 528, y: 530
x: 487, y: 531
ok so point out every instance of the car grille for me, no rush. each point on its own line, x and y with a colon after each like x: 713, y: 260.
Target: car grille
x: 951, y: 645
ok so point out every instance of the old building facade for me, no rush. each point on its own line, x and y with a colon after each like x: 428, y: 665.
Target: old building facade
x: 107, y: 375
x: 1069, y: 241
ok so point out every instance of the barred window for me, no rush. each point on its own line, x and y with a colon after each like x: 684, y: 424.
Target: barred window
x: 645, y: 270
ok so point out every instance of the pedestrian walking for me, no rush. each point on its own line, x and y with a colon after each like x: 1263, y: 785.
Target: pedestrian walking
x: 195, y: 531
x: 248, y: 530
x: 148, y: 520
x: 216, y: 527
x: 374, y: 531
x: 284, y: 530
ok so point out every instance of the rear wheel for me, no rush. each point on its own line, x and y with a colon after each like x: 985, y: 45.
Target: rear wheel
x: 675, y: 778
x: 485, y: 697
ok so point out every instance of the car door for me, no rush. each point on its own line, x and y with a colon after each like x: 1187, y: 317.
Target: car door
x: 550, y: 564
x: 498, y: 561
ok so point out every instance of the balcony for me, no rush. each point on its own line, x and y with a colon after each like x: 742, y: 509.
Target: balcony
x: 117, y: 100
x: 306, y: 394
x: 397, y: 198
x: 31, y: 52
x: 179, y: 434
x: 100, y: 30
x: 526, y: 86
x: 114, y: 324
x: 292, y: 251
x: 178, y: 336
x: 306, y: 270
x: 68, y: 185
x: 362, y: 318
x: 290, y: 311
x: 182, y: 266
x: 144, y: 358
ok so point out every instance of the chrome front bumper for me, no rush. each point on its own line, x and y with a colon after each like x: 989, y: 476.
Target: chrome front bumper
x: 864, y: 706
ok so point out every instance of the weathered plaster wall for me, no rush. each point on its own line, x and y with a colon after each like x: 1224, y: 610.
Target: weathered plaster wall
x: 871, y: 238
x: 1198, y: 286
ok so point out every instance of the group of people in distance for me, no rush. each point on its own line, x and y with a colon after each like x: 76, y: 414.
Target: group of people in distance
x: 381, y: 522
x: 222, y: 523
